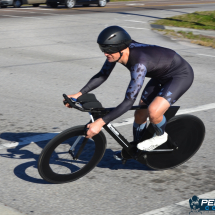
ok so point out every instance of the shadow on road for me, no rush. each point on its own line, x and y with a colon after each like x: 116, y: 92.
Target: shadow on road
x: 29, y: 154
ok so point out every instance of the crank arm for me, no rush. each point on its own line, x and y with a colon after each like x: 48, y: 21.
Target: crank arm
x: 81, y: 148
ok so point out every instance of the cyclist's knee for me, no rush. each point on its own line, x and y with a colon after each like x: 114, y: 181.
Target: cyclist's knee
x: 155, y: 115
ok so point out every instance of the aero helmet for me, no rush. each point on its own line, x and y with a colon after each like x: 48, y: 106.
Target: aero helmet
x: 113, y: 39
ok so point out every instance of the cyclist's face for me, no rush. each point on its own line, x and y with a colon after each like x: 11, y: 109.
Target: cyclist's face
x: 112, y: 57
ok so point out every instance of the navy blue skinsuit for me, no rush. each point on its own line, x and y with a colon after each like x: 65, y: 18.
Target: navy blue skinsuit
x: 171, y: 76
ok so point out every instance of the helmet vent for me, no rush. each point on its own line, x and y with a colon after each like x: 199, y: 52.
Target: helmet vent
x: 111, y: 36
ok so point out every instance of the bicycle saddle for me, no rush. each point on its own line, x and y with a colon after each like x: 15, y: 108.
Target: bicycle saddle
x: 89, y: 101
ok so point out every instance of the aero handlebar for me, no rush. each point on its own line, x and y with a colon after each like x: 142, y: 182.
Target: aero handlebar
x: 72, y: 103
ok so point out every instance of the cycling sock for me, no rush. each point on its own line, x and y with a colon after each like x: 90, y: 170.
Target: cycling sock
x: 138, y: 130
x: 160, y: 127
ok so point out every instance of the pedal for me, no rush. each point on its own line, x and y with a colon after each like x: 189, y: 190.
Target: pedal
x: 124, y: 161
x: 125, y: 154
x: 117, y: 156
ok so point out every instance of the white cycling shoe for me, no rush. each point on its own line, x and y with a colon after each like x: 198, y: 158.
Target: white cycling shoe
x: 154, y: 142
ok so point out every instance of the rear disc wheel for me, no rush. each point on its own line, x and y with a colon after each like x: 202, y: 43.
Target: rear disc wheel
x: 188, y: 132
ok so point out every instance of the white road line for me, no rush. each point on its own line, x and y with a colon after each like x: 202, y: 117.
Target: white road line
x: 29, y: 17
x: 134, y: 4
x: 51, y: 14
x: 48, y: 136
x: 29, y: 8
x: 134, y: 21
x: 180, y: 207
x: 136, y: 28
x: 206, y: 55
x: 6, y: 210
x: 24, y: 11
x: 20, y: 11
x: 7, y: 10
x: 196, y: 109
x: 11, y: 16
x: 28, y: 140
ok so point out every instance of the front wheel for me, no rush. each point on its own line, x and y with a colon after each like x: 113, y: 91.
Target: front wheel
x: 102, y: 3
x: 70, y: 3
x: 69, y: 156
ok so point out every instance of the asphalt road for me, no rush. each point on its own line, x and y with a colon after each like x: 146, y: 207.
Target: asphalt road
x: 47, y: 52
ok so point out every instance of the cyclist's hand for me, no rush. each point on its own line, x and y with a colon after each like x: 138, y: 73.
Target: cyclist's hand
x: 75, y: 96
x: 95, y: 127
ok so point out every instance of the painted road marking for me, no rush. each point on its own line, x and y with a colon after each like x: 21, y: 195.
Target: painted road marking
x: 29, y: 17
x: 206, y: 55
x: 31, y: 8
x: 134, y: 21
x: 182, y: 207
x: 7, y: 10
x: 185, y: 111
x: 134, y: 4
x: 136, y: 28
x: 22, y: 17
x: 28, y: 140
x: 48, y: 136
x: 6, y: 210
x: 11, y: 16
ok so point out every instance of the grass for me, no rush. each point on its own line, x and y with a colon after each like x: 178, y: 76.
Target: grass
x: 198, y: 20
x: 197, y: 39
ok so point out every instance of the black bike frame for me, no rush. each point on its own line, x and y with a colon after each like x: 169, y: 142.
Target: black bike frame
x: 96, y: 113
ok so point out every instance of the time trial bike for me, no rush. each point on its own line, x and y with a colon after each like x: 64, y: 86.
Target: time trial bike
x: 70, y: 155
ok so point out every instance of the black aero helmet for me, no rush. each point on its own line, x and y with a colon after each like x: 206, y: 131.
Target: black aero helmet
x: 113, y: 39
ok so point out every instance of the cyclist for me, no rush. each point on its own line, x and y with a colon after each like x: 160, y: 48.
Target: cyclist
x: 171, y: 76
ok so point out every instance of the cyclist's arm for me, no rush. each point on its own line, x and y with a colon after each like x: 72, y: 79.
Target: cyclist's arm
x: 138, y: 73
x: 99, y: 78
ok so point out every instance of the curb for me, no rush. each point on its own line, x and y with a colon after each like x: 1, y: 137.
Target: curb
x: 194, y: 31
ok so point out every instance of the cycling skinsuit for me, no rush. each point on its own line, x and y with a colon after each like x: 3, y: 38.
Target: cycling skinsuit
x: 171, y: 76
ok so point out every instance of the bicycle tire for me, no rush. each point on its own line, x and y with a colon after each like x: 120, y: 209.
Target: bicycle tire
x: 188, y: 132
x: 51, y: 155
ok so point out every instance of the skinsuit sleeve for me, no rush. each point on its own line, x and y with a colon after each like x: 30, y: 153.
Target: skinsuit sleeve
x: 99, y: 78
x: 138, y: 73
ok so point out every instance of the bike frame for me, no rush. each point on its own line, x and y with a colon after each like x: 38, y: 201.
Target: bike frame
x: 96, y: 113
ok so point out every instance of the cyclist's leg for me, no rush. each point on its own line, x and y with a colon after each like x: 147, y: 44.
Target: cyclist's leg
x: 156, y: 112
x: 171, y: 91
x: 140, y: 116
